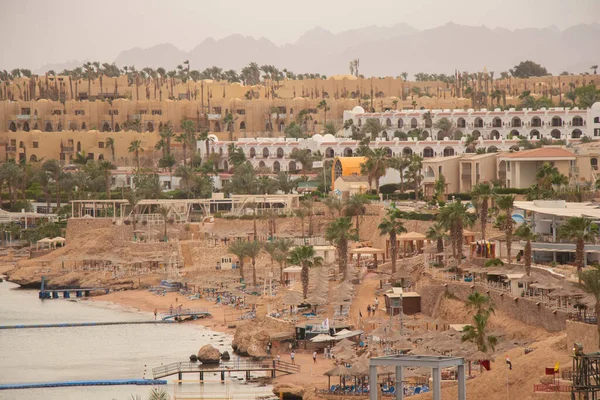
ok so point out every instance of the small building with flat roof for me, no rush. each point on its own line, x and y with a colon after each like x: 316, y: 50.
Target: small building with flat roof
x: 396, y: 298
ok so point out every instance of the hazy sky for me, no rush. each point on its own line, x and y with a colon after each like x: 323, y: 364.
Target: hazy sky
x: 37, y: 32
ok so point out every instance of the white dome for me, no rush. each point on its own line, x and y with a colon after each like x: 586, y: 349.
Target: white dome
x: 329, y: 138
x: 595, y: 106
x: 317, y: 137
x: 358, y: 110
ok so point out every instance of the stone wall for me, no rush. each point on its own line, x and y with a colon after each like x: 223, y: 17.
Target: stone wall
x: 519, y: 308
x: 586, y: 334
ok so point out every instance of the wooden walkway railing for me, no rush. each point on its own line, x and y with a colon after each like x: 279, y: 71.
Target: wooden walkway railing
x: 228, y: 366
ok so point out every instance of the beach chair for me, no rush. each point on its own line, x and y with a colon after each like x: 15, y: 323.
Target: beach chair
x: 417, y: 390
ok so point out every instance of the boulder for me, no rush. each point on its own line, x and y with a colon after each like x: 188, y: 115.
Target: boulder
x: 209, y: 355
x: 225, y: 356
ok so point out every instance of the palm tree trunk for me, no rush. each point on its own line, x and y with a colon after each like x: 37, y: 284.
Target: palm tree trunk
x: 254, y: 271
x: 57, y: 194
x: 393, y: 250
x: 107, y: 183
x: 304, y: 281
x: 440, y: 249
x: 579, y: 254
x: 508, y: 236
x: 527, y: 257
x: 357, y: 224
x: 184, y: 154
x: 343, y: 257
x: 484, y: 212
x: 242, y: 268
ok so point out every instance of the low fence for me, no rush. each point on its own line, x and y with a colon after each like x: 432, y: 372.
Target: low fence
x: 552, y: 388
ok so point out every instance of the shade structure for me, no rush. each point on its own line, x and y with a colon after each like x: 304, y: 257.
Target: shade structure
x: 412, y: 236
x: 292, y: 298
x: 339, y: 370
x: 45, y: 240
x: 322, y: 338
x: 316, y: 300
x: 349, y: 334
x: 343, y: 344
x: 366, y: 250
x: 293, y: 269
x: 342, y: 332
x: 345, y: 355
x: 478, y: 355
x: 59, y: 239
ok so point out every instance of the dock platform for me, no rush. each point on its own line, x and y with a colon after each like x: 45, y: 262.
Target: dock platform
x: 79, y: 324
x: 110, y: 382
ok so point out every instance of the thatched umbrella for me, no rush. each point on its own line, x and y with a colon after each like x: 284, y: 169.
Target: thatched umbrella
x: 342, y: 345
x: 477, y: 356
x: 402, y: 345
x: 345, y: 355
x: 340, y: 371
x: 315, y: 301
x: 292, y: 298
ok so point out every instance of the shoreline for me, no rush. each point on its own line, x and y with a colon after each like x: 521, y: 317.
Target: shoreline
x: 145, y: 301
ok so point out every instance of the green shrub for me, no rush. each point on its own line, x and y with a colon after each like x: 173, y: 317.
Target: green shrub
x: 389, y: 188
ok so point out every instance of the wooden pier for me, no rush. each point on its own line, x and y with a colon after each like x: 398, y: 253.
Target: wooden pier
x: 66, y: 292
x: 186, y: 313
x: 269, y: 366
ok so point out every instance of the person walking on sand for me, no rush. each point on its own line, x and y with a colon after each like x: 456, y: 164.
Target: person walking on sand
x: 314, y: 357
x: 155, y: 313
x: 292, y: 357
x: 369, y: 310
x: 171, y: 309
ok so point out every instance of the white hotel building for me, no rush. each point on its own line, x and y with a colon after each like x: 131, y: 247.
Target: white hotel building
x: 495, y: 131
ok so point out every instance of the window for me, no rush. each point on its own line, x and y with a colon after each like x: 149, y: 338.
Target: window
x: 217, y: 110
x: 26, y: 111
x: 56, y: 112
x: 101, y: 145
x: 143, y: 112
x: 36, y: 145
x: 113, y: 112
x: 241, y: 112
x: 79, y: 112
x: 156, y: 112
x: 113, y: 181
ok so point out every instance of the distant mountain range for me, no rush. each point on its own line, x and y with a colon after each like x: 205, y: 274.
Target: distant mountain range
x: 385, y: 51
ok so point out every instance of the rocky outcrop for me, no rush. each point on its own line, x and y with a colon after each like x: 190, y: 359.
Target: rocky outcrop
x: 250, y: 343
x: 209, y: 355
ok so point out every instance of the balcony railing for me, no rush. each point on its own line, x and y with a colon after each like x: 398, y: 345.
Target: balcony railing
x: 66, y: 149
x: 23, y: 117
x: 214, y: 117
x: 11, y: 149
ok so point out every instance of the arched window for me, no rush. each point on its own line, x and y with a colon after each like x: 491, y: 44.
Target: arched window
x: 536, y: 122
x: 242, y: 125
x: 495, y: 135
x: 83, y: 126
x: 329, y: 153
x: 78, y: 146
x: 106, y: 127
x: 269, y: 126
x: 117, y: 128
x: 448, y: 152
x: 594, y: 163
x: 534, y: 134
x: 388, y: 123
x: 429, y: 173
x: 281, y: 126
x: 72, y: 126
x: 413, y: 123
x: 514, y: 133
x: 407, y: 151
x: 497, y: 122
x: 60, y: 127
x: 388, y: 151
x: 476, y: 134
x: 577, y: 121
x: 217, y: 127
x: 252, y: 152
x: 276, y: 166
x: 428, y: 152
x: 400, y: 123
x: 33, y: 158
x: 555, y: 134
x: 265, y: 153
x: 12, y: 127
x: 101, y: 157
x: 292, y: 167
x: 576, y: 134
x: 261, y: 164
x: 220, y: 151
x: 557, y: 121
x: 461, y: 123
x: 225, y: 166
x: 48, y: 127
x: 516, y: 122
x: 478, y: 123
x: 149, y: 127
x: 26, y: 126
x: 279, y: 152
x: 347, y: 152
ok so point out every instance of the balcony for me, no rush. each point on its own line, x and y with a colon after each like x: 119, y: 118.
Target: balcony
x: 214, y: 117
x: 11, y: 149
x: 67, y: 149
x: 282, y: 116
x: 23, y: 117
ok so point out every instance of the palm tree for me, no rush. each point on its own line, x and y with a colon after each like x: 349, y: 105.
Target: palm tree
x: 228, y: 122
x: 136, y: 147
x: 414, y: 172
x: 325, y: 107
x: 589, y: 282
x: 454, y: 217
x: 339, y: 232
x: 476, y: 334
x: 187, y: 137
x: 110, y: 143
x: 400, y: 164
x: 594, y: 68
x: 356, y: 206
x: 308, y: 205
x: 305, y: 257
x: 236, y: 155
x: 238, y: 249
x: 301, y: 213
x: 579, y: 230
x: 53, y: 167
x: 253, y: 250
x: 373, y: 127
x: 333, y: 204
x: 106, y: 166
x: 428, y: 118
x: 504, y: 221
x: 284, y: 246
x: 481, y: 303
x: 133, y: 200
x: 446, y: 127
x: 374, y: 167
x: 481, y: 195
x: 164, y: 212
x: 204, y: 136
x: 524, y: 232
x: 437, y: 232
x: 392, y: 225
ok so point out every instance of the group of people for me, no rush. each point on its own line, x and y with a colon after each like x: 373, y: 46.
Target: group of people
x: 372, y: 308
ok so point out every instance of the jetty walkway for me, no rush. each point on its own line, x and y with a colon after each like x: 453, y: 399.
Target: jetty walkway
x: 269, y: 366
x: 185, y: 313
x: 113, y: 382
x: 79, y: 324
